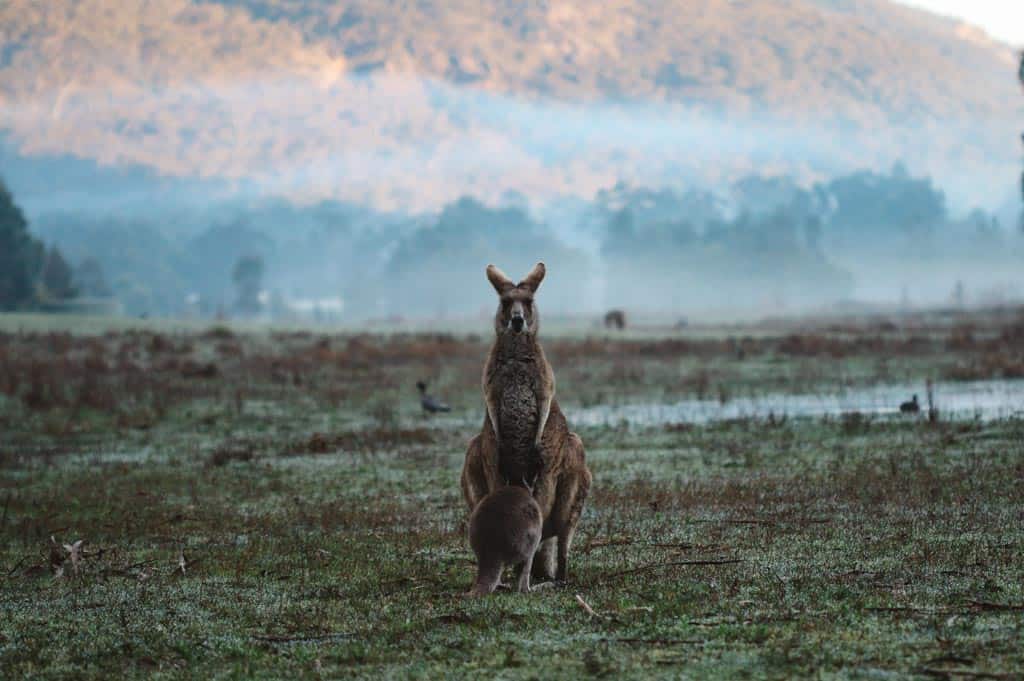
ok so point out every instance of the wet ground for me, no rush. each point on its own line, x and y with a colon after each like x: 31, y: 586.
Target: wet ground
x: 985, y: 400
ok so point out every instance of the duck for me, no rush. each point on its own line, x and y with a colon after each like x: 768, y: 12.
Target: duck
x: 430, y: 404
x: 911, y: 407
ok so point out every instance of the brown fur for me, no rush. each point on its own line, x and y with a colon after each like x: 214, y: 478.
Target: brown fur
x: 504, y: 529
x: 615, y: 319
x: 525, y: 437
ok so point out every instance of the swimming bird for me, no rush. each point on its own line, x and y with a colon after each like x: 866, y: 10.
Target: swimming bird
x: 430, y: 404
x: 911, y: 407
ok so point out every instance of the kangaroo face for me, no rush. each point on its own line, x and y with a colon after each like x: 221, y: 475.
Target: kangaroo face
x: 517, y: 312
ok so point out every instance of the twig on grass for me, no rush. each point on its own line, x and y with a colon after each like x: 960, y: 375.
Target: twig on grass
x: 587, y: 608
x: 126, y: 571
x: 682, y: 546
x: 17, y: 565
x: 602, y: 543
x: 968, y: 673
x: 301, y: 638
x: 660, y: 641
x: 766, y: 521
x: 914, y: 611
x: 996, y: 607
x: 674, y: 563
x: 950, y: 659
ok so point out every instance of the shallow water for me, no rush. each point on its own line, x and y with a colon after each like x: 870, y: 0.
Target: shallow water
x: 985, y: 400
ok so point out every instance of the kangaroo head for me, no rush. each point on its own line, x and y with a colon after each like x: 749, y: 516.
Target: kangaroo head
x: 516, y: 310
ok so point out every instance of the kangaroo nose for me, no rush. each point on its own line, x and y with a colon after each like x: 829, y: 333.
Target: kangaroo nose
x: 517, y: 322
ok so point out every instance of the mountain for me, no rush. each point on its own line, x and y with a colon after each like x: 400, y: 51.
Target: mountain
x: 411, y: 104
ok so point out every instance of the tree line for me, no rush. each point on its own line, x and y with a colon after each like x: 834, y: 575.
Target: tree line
x: 34, y: 276
x: 764, y: 239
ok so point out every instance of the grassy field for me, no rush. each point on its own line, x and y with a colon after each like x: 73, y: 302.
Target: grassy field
x: 258, y: 503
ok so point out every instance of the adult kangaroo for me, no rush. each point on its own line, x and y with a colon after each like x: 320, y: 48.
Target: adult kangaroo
x: 525, y: 439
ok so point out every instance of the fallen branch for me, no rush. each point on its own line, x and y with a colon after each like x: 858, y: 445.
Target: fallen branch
x: 968, y: 673
x: 997, y: 607
x: 602, y: 543
x: 780, y: 521
x: 674, y: 563
x: 682, y: 546
x: 587, y: 608
x: 126, y: 571
x: 660, y: 641
x: 950, y: 659
x: 915, y: 611
x: 304, y: 638
x: 17, y: 565
x: 766, y: 521
x: 141, y: 563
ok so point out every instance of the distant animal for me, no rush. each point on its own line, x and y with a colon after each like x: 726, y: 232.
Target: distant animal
x: 524, y: 434
x: 430, y: 404
x: 911, y: 407
x: 615, y: 319
x: 504, y: 529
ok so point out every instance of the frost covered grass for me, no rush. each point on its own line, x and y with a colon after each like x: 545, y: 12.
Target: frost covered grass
x: 289, y: 513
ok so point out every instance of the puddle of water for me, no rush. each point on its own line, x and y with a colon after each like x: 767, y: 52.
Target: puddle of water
x: 986, y: 400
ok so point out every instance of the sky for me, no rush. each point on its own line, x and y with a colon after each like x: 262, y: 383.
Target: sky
x: 1002, y: 19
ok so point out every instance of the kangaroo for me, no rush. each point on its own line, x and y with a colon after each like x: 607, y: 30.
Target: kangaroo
x: 615, y: 319
x: 504, y: 529
x: 525, y: 435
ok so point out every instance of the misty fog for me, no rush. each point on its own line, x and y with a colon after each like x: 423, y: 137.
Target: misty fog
x: 669, y: 211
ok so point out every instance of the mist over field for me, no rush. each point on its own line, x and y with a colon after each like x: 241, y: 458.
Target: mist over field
x: 758, y: 160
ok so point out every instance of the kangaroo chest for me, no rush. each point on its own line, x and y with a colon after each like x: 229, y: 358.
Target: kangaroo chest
x: 517, y: 403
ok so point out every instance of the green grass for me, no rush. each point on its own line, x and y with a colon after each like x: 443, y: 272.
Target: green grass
x: 322, y: 531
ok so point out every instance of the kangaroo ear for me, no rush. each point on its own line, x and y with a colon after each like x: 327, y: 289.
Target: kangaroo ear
x: 533, y: 279
x: 498, y: 280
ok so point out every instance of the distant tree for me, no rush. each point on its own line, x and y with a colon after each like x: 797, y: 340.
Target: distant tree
x: 772, y: 249
x: 868, y: 206
x: 429, y: 268
x: 221, y: 247
x: 90, y: 279
x: 56, y: 278
x: 812, y: 233
x: 248, y: 278
x: 659, y: 206
x: 620, y: 230
x: 20, y: 255
x: 760, y: 195
x: 959, y: 294
x: 146, y: 269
